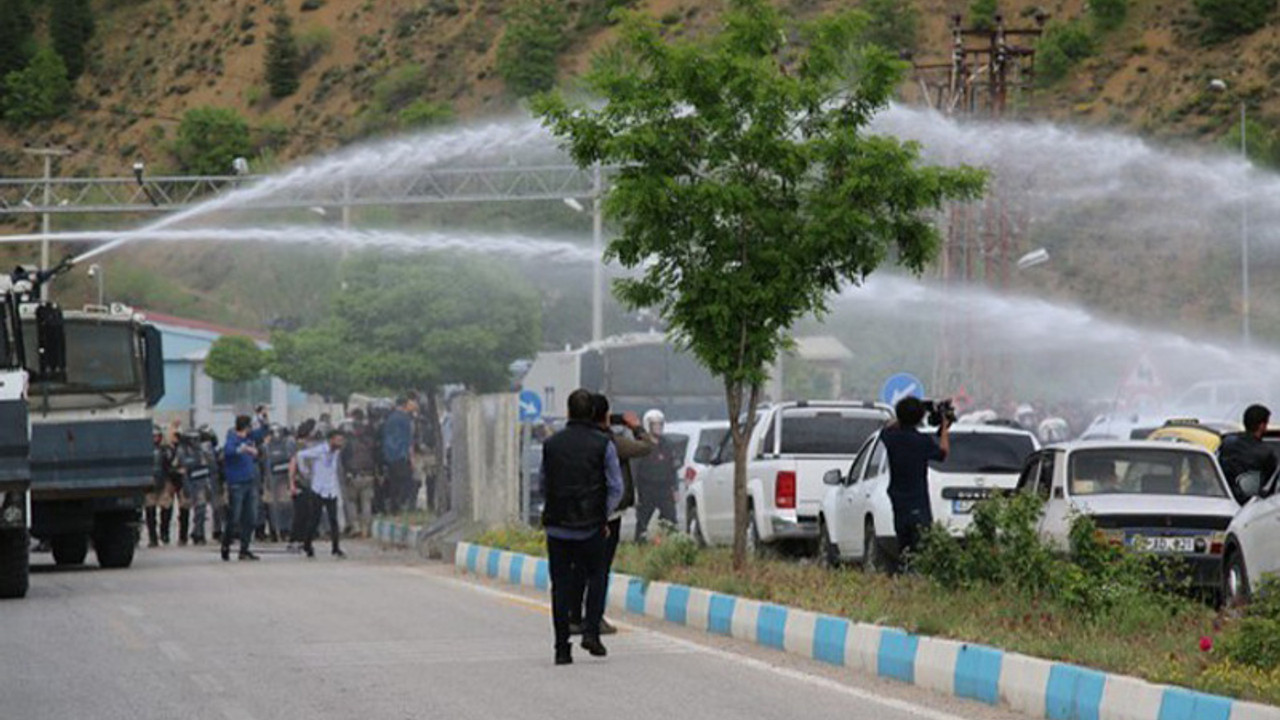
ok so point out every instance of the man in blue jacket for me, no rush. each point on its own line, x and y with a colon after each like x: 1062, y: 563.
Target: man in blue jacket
x: 397, y: 445
x: 240, y: 455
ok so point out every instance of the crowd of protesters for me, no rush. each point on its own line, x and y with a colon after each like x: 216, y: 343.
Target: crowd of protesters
x: 269, y: 482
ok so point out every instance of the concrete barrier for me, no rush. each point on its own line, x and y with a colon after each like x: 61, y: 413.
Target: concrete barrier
x: 1039, y: 688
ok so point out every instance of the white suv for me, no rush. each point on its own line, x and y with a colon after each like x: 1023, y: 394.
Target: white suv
x: 856, y: 522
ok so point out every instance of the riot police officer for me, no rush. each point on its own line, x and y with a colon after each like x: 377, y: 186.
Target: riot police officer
x: 195, y: 457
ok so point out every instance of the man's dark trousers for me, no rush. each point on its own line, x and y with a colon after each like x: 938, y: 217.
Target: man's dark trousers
x: 909, y: 524
x: 651, y: 498
x: 566, y: 558
x: 580, y: 578
x: 240, y: 514
x: 401, y: 490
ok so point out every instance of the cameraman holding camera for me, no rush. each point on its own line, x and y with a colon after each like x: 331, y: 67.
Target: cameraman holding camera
x: 910, y: 453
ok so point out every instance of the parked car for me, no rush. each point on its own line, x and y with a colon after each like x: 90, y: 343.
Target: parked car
x: 1168, y: 499
x: 856, y: 522
x: 1252, y: 545
x: 1121, y: 427
x: 790, y: 448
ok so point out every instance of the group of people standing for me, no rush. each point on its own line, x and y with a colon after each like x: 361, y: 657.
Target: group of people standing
x: 270, y: 482
x: 588, y: 482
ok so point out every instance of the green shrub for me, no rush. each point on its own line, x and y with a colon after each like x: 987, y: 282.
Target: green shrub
x: 313, y: 44
x: 400, y: 87
x: 599, y: 13
x: 891, y: 24
x: 282, y: 59
x: 424, y: 113
x: 1060, y: 48
x: 1108, y: 14
x: 670, y: 549
x: 982, y: 14
x: 39, y: 92
x: 209, y: 138
x: 515, y: 538
x: 1231, y: 18
x: 270, y: 136
x: 531, y: 46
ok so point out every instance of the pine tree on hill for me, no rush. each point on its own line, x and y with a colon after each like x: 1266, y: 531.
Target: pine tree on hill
x: 17, y: 44
x: 282, y: 56
x: 70, y: 27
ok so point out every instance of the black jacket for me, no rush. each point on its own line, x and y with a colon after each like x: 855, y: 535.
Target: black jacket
x: 1241, y: 453
x: 573, y: 478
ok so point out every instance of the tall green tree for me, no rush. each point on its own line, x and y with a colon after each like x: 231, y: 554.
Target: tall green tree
x: 17, y: 39
x: 39, y: 92
x: 750, y: 189
x: 210, y: 138
x: 1231, y: 18
x: 71, y: 26
x: 892, y: 24
x: 283, y: 60
x: 982, y: 14
x: 414, y: 323
x: 531, y: 45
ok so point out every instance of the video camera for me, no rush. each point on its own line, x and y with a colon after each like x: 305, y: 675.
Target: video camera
x: 937, y: 410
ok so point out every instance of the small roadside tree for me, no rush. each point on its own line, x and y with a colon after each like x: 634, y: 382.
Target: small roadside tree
x: 283, y: 59
x: 749, y: 188
x: 317, y: 359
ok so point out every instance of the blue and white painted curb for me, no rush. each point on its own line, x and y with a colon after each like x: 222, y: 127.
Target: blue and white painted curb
x: 1039, y: 688
x: 399, y: 535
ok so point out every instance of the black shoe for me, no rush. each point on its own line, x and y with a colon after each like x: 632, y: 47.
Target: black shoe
x: 226, y: 553
x: 309, y: 551
x: 339, y: 554
x: 152, y: 543
x: 606, y: 628
x: 575, y: 628
x: 182, y: 542
x: 246, y: 555
x: 197, y: 540
x: 594, y: 646
x: 564, y: 656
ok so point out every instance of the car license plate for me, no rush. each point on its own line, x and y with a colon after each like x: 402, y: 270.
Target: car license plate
x: 962, y: 507
x: 1165, y: 544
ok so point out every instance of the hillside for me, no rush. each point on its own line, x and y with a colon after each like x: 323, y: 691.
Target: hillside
x: 366, y: 63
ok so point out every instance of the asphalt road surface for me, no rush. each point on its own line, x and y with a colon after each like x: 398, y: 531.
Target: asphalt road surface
x: 184, y: 635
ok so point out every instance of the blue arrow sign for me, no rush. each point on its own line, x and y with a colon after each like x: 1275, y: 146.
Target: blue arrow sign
x: 900, y: 386
x: 530, y: 406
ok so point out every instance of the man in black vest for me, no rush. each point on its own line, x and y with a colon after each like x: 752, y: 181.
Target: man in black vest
x: 582, y: 482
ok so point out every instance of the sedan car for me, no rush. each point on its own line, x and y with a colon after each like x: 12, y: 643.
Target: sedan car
x: 1168, y: 499
x: 1252, y: 545
x: 856, y: 522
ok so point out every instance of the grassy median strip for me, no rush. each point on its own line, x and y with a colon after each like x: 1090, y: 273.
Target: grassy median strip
x: 1160, y: 636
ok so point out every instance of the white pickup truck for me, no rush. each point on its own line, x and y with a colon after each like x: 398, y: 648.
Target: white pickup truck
x: 792, y: 446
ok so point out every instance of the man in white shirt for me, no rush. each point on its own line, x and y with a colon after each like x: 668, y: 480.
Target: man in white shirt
x: 322, y: 465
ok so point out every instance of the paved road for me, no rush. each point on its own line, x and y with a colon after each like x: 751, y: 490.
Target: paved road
x: 184, y: 635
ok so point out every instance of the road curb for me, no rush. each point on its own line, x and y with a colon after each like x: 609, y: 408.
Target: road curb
x: 397, y: 535
x: 1035, y: 687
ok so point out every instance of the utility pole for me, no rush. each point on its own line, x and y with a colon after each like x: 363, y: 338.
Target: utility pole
x: 597, y: 244
x: 1244, y: 229
x: 48, y: 153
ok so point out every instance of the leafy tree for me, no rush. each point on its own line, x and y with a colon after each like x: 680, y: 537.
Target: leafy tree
x: 425, y: 113
x: 982, y: 14
x: 17, y: 40
x: 70, y: 27
x: 1232, y: 18
x: 750, y: 190
x: 1108, y: 14
x: 1060, y: 48
x: 412, y: 322
x: 531, y: 45
x: 283, y: 60
x: 209, y: 138
x: 317, y: 359
x: 40, y: 92
x: 234, y: 359
x: 892, y: 24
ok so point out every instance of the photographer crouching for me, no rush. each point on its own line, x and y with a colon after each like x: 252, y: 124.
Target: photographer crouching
x: 910, y: 453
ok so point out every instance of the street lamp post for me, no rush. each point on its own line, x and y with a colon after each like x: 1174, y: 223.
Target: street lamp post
x: 597, y: 244
x: 1218, y: 85
x: 48, y: 154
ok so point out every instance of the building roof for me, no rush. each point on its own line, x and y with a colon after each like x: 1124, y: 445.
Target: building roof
x: 822, y: 348
x: 174, y: 322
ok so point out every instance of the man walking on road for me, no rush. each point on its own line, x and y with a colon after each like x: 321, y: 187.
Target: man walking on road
x: 240, y: 454
x: 321, y: 463
x: 910, y: 453
x: 582, y: 481
x: 397, y: 443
